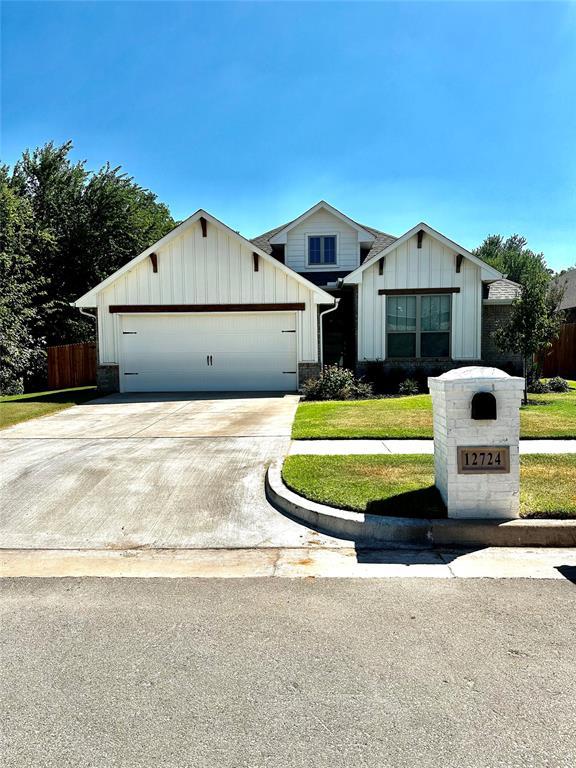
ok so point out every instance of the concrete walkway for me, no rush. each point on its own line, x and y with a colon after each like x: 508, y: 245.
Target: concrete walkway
x: 365, y: 447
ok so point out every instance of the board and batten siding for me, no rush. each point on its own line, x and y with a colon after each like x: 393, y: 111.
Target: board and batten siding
x: 322, y: 223
x: 432, y: 266
x: 216, y: 269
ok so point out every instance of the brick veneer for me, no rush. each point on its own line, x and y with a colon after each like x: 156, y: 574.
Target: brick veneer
x: 494, y: 315
x: 482, y: 495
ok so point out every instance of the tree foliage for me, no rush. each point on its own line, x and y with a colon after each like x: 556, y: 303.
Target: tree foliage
x: 64, y: 229
x: 534, y: 321
x: 511, y: 256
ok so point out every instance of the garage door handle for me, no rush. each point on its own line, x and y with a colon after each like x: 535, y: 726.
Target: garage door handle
x: 211, y: 363
x: 209, y: 360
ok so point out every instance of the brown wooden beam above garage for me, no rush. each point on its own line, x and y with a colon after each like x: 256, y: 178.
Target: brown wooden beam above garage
x: 146, y: 308
x: 204, y: 225
x: 154, y: 260
x: 413, y: 291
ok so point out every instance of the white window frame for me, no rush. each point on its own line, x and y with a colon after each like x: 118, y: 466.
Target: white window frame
x: 323, y: 267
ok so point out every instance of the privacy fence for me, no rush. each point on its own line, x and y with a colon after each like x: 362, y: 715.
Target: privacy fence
x: 72, y: 365
x: 560, y: 359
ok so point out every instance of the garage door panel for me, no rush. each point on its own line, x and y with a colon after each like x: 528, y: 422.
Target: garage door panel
x: 208, y: 352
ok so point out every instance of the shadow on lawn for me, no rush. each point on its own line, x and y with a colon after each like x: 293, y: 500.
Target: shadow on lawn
x: 421, y: 503
x: 77, y: 396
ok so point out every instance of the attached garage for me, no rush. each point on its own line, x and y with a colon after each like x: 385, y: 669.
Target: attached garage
x: 204, y: 309
x: 208, y: 352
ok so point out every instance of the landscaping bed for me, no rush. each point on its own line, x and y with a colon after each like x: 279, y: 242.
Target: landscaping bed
x: 550, y: 415
x: 403, y: 486
x: 17, y: 408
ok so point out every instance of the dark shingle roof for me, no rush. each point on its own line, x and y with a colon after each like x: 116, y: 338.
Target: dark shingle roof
x: 382, y: 241
x: 502, y: 290
x: 567, y: 283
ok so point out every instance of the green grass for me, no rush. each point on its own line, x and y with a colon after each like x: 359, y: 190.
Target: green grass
x: 403, y: 486
x: 17, y: 408
x: 546, y: 416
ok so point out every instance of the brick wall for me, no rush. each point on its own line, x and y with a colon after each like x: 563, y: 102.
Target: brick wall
x: 492, y: 316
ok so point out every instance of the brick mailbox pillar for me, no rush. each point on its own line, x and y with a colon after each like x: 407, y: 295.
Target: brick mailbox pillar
x: 476, y: 433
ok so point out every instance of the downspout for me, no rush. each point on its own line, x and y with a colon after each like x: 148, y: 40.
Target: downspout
x: 326, y: 312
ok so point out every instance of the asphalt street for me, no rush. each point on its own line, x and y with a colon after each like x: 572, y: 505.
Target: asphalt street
x: 461, y: 673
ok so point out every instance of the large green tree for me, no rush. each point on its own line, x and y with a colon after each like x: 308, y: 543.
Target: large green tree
x: 80, y: 226
x: 21, y: 345
x: 511, y: 256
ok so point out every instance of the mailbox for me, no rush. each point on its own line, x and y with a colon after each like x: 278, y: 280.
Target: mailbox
x: 476, y: 434
x: 484, y: 406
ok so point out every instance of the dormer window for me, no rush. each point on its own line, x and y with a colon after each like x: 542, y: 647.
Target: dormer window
x: 321, y: 250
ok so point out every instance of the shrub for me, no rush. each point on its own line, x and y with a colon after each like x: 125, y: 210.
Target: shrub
x: 558, y: 384
x: 538, y: 387
x: 335, y: 383
x: 408, y: 387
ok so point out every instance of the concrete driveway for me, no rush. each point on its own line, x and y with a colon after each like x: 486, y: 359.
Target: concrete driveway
x: 162, y: 471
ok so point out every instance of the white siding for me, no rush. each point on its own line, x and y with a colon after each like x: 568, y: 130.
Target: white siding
x: 432, y: 266
x: 215, y: 269
x: 322, y: 223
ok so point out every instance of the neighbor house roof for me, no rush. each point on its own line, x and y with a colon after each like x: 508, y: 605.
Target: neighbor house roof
x: 380, y: 239
x: 567, y: 283
x: 502, y: 291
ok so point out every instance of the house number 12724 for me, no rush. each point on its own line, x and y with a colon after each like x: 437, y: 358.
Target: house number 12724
x: 483, y: 459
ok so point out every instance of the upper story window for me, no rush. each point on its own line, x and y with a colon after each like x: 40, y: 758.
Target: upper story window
x: 418, y: 326
x: 321, y: 249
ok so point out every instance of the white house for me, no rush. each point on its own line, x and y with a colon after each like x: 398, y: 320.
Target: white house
x: 206, y: 309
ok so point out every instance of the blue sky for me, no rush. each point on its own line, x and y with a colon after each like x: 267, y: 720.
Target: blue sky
x: 459, y: 114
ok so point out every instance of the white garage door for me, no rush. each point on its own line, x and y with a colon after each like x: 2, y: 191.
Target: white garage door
x: 216, y: 352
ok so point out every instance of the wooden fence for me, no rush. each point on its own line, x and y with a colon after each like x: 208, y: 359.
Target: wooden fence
x: 560, y: 359
x: 72, y: 365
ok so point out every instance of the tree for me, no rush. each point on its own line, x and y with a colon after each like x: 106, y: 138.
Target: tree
x: 511, y: 256
x: 534, y: 322
x: 86, y: 225
x: 21, y: 346
x: 67, y: 228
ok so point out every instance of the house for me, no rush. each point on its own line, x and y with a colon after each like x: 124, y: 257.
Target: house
x: 206, y: 309
x: 566, y: 283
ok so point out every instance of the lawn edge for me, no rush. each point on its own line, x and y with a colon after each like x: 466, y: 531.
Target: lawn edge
x: 409, y: 532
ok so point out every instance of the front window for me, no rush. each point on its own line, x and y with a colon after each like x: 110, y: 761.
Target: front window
x: 321, y: 249
x: 418, y: 326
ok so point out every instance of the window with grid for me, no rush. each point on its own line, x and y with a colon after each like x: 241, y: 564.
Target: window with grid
x: 418, y: 326
x: 321, y: 249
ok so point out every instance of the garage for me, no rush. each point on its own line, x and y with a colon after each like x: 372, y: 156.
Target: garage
x: 203, y: 309
x: 208, y: 352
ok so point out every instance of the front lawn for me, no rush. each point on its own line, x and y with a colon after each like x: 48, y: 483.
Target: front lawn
x: 17, y: 408
x: 551, y: 415
x: 403, y: 486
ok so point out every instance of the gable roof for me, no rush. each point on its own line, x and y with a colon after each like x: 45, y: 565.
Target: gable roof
x: 488, y: 272
x: 567, y: 283
x: 366, y: 234
x: 89, y: 298
x: 502, y: 291
x: 378, y: 239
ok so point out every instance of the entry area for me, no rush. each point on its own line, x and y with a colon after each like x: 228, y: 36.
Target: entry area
x: 208, y: 352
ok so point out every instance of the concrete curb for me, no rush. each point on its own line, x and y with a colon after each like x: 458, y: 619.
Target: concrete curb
x: 415, y: 532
